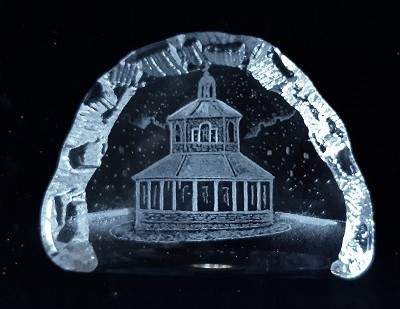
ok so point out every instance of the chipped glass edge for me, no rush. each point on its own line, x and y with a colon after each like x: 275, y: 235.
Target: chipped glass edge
x: 180, y: 55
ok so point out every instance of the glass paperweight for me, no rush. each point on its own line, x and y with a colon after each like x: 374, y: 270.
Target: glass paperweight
x: 207, y: 152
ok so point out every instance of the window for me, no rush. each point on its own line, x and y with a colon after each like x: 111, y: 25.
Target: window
x: 205, y: 133
x: 214, y: 136
x: 231, y: 132
x: 178, y: 133
x: 195, y: 135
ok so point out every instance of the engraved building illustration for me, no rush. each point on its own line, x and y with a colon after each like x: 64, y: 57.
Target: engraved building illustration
x: 205, y: 183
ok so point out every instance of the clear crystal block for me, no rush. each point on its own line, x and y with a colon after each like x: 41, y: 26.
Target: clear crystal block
x: 207, y: 152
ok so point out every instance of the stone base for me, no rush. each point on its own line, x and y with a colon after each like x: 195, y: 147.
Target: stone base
x: 153, y: 220
x: 127, y: 232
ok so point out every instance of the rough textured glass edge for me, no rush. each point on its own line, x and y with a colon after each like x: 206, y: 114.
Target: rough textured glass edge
x: 180, y: 55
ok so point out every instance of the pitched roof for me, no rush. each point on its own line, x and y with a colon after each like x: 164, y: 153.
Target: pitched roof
x: 230, y: 166
x: 205, y: 108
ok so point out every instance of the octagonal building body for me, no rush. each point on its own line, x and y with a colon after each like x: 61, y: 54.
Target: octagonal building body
x: 205, y: 182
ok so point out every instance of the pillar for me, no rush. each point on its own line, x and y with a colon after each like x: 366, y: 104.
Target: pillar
x: 258, y: 195
x: 170, y: 138
x: 174, y: 195
x: 194, y: 195
x: 137, y: 202
x: 271, y: 190
x: 234, y: 202
x: 224, y: 133
x: 237, y: 135
x: 184, y: 135
x: 162, y: 195
x: 245, y: 197
x: 216, y: 195
x: 149, y: 195
x: 137, y: 194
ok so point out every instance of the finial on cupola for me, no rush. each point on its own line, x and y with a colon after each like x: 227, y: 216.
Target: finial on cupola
x: 207, y: 88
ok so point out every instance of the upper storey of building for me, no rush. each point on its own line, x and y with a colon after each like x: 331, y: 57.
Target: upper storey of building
x: 205, y: 124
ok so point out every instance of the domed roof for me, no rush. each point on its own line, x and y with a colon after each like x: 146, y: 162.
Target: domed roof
x: 234, y: 166
x: 206, y: 105
x: 205, y: 108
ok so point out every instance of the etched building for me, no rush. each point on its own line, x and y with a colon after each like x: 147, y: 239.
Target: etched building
x: 205, y: 182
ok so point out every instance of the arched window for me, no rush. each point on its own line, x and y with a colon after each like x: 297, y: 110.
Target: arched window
x: 205, y: 133
x: 214, y: 135
x: 178, y: 133
x: 195, y: 135
x: 231, y: 132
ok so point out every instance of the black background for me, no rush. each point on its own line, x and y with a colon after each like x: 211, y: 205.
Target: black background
x: 51, y: 55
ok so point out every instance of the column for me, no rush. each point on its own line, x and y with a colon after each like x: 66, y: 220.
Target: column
x: 245, y: 197
x: 271, y: 190
x: 194, y: 196
x: 171, y: 132
x: 237, y: 136
x: 224, y: 132
x: 258, y: 195
x: 184, y: 135
x: 234, y: 202
x: 137, y: 201
x: 162, y: 195
x: 174, y: 195
x: 149, y: 195
x: 216, y: 195
x: 137, y: 195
